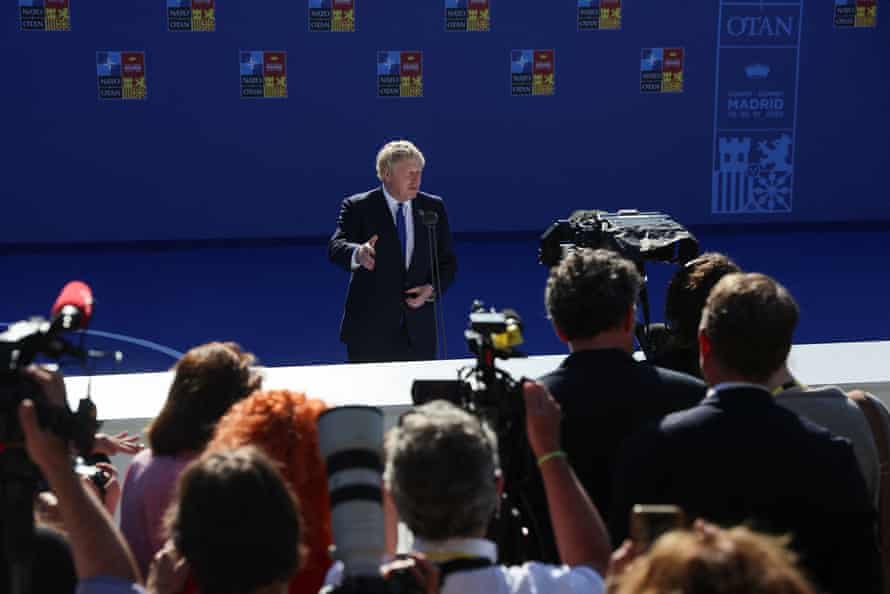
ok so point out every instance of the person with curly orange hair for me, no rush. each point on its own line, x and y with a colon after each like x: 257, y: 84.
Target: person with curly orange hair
x: 284, y: 425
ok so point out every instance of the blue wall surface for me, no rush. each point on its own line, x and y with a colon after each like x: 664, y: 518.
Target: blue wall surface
x: 195, y: 161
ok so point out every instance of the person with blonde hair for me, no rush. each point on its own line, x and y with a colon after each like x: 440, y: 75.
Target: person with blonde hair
x: 207, y: 381
x: 394, y: 240
x: 708, y: 559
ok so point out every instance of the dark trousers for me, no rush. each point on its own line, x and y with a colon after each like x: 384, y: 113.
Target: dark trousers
x: 384, y: 349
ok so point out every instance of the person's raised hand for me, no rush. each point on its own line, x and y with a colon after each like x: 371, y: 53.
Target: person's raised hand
x: 168, y: 571
x: 51, y: 384
x: 623, y: 556
x: 120, y: 443
x: 426, y: 574
x: 367, y: 253
x: 542, y: 418
x: 110, y: 492
x: 45, y: 448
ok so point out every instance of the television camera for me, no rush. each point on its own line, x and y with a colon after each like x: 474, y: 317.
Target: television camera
x: 638, y: 236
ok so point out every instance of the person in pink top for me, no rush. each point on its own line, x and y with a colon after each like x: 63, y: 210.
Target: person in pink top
x: 208, y: 380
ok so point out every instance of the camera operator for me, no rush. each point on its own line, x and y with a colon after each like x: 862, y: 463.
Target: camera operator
x: 102, y: 560
x: 676, y: 344
x: 443, y: 474
x: 604, y: 393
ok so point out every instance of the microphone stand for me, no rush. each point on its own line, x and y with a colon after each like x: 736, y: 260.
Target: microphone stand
x: 430, y: 220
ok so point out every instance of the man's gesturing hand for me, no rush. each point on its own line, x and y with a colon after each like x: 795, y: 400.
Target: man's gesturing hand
x: 367, y: 253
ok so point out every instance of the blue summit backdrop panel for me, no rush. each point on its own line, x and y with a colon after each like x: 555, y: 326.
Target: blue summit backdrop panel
x: 195, y: 160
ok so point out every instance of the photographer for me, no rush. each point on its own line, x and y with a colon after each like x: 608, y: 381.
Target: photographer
x: 103, y: 562
x: 443, y: 474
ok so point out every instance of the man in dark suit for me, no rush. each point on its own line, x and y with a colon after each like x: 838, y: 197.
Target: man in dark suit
x: 739, y: 457
x: 384, y: 238
x: 604, y: 393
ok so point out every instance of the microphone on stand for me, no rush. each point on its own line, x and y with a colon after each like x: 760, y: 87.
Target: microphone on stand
x: 430, y: 219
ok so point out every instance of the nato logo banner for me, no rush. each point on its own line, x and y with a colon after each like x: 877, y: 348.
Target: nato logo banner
x: 121, y: 75
x: 661, y: 70
x: 758, y: 56
x: 263, y: 74
x: 44, y: 15
x: 332, y: 15
x: 191, y: 15
x: 467, y: 15
x: 856, y: 13
x: 532, y: 72
x: 596, y: 15
x: 399, y: 74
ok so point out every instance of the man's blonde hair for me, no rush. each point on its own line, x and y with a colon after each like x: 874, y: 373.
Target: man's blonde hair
x: 395, y: 151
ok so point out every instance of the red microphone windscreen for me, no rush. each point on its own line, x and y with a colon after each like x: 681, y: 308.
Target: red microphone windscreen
x: 78, y: 294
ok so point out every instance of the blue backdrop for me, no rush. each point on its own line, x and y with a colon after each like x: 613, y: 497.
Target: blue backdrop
x: 195, y: 161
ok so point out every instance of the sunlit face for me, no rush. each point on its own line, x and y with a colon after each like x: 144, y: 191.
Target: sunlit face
x: 402, y: 181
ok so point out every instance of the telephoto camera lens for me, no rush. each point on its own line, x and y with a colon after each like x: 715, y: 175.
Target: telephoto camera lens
x: 351, y: 442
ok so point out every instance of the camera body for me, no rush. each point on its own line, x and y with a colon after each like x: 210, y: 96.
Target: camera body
x: 20, y: 344
x: 638, y: 236
x: 483, y: 390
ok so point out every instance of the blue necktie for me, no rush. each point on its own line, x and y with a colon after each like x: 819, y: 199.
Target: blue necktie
x: 403, y: 234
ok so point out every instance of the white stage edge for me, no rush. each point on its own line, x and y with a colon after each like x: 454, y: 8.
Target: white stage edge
x: 139, y: 396
x: 127, y: 402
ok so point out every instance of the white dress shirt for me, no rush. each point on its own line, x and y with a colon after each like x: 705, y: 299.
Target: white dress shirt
x: 529, y: 578
x: 393, y: 205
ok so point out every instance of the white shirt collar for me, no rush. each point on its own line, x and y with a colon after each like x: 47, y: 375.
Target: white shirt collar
x: 394, y: 204
x: 457, y: 548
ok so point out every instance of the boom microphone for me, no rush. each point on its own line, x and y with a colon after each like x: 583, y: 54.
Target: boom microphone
x: 74, y: 307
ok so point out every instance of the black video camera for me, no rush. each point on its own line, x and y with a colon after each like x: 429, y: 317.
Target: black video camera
x: 20, y: 478
x: 495, y: 397
x: 638, y: 236
x: 19, y: 346
x: 483, y: 390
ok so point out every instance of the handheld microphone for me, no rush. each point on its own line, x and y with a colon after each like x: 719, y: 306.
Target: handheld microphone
x: 73, y: 308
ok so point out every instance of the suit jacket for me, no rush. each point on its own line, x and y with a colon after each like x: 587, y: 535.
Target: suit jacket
x: 739, y: 457
x: 605, y: 396
x: 829, y: 407
x: 375, y: 301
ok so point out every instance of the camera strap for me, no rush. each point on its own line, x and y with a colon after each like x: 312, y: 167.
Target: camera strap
x: 463, y: 564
